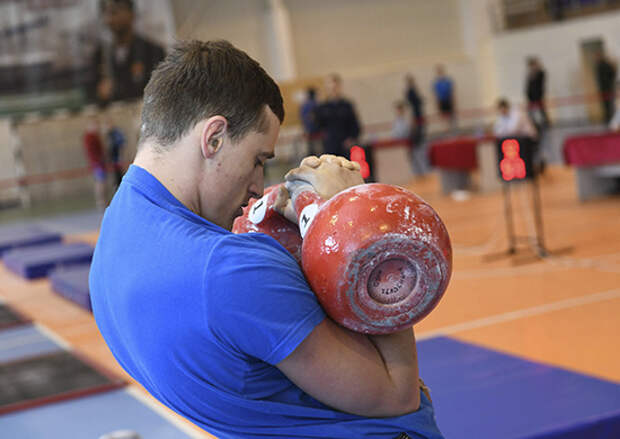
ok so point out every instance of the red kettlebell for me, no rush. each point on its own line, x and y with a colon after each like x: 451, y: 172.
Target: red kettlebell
x: 377, y: 256
x: 260, y: 217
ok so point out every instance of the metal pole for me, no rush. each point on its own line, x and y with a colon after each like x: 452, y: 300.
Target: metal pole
x: 509, y: 223
x: 540, y: 238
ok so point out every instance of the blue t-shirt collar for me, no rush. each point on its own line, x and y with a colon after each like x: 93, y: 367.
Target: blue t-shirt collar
x: 148, y: 183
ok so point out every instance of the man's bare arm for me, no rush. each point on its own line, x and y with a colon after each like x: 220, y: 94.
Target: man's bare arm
x: 373, y: 376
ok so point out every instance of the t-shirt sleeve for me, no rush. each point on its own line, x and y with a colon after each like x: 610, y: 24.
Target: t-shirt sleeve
x: 258, y: 301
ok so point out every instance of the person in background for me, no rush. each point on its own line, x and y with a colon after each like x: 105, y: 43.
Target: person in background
x: 614, y: 123
x: 400, y: 125
x: 443, y: 87
x: 606, y: 71
x: 337, y: 119
x: 308, y: 119
x: 512, y: 122
x: 116, y: 142
x: 122, y: 68
x: 418, y: 130
x: 535, y: 93
x: 93, y: 148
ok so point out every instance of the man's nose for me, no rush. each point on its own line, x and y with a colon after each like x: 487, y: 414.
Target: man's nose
x: 257, y: 186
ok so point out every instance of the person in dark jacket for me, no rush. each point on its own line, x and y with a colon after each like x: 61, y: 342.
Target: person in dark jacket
x: 337, y: 119
x: 122, y: 68
x: 418, y: 125
x: 606, y: 80
x: 535, y: 93
x: 417, y: 110
x: 307, y: 114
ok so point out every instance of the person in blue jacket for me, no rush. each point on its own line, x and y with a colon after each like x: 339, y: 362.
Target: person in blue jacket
x: 221, y: 327
x: 443, y: 87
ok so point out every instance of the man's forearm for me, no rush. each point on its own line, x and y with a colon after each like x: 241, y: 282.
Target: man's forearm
x: 400, y: 358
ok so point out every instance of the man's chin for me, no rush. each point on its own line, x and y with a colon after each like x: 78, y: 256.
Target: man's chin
x: 231, y: 222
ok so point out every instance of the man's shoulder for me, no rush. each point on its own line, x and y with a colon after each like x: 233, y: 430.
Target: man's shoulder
x: 250, y: 248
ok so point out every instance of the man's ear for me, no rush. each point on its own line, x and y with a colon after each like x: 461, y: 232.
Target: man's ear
x: 212, y: 135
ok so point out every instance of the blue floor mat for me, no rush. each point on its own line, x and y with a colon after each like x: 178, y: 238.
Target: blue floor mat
x: 25, y: 236
x: 72, y: 284
x: 484, y: 394
x: 39, y: 261
x: 90, y: 417
x: 24, y: 342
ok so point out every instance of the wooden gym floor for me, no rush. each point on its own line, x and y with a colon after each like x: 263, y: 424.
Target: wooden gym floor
x: 563, y: 310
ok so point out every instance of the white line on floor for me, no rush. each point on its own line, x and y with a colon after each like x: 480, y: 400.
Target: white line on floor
x: 515, y: 315
x: 55, y: 337
x: 20, y: 341
x: 157, y: 407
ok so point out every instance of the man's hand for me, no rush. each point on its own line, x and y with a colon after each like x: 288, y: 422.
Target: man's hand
x: 284, y: 206
x: 326, y: 175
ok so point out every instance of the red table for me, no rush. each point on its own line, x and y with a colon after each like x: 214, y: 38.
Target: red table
x: 592, y: 150
x: 596, y: 158
x: 455, y: 153
x: 392, y: 142
x: 456, y: 157
x: 391, y: 160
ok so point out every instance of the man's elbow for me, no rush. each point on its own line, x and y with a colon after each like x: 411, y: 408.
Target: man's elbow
x: 407, y: 403
x: 390, y: 404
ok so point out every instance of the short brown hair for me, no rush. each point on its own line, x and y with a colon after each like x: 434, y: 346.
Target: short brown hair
x: 198, y: 80
x: 503, y: 103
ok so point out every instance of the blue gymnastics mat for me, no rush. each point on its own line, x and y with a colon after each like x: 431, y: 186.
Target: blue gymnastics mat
x: 10, y: 317
x: 25, y: 236
x: 484, y: 394
x: 84, y: 417
x: 39, y: 261
x: 23, y: 342
x: 90, y: 417
x: 72, y: 284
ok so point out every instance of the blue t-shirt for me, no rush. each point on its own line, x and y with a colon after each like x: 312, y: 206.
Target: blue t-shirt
x: 200, y: 316
x: 443, y: 88
x: 306, y: 113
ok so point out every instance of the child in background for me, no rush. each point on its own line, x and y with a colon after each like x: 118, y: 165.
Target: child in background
x: 93, y: 147
x: 116, y: 142
x: 400, y: 125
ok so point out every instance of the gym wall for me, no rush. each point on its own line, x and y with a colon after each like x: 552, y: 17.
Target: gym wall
x: 239, y: 21
x: 371, y: 44
x: 558, y: 47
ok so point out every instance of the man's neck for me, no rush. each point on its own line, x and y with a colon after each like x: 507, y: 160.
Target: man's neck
x: 165, y: 166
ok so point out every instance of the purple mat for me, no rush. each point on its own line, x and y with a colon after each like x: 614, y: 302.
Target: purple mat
x: 484, y: 394
x: 39, y: 261
x: 72, y: 284
x: 25, y: 236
